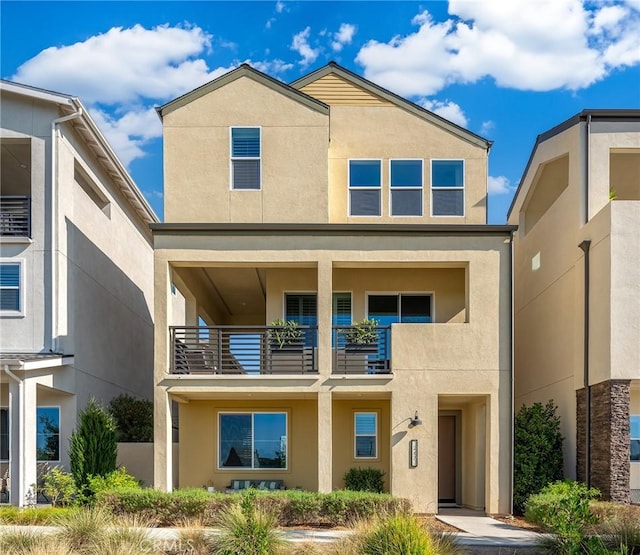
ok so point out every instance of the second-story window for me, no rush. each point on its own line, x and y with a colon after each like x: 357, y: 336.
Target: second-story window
x: 11, y: 287
x: 406, y: 187
x: 447, y: 187
x: 245, y: 158
x: 365, y: 178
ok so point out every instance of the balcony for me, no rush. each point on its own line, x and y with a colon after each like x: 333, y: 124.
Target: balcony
x: 15, y: 216
x: 241, y: 350
x: 361, y: 358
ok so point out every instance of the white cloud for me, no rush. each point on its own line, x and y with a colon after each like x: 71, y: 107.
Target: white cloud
x: 448, y: 110
x: 343, y: 36
x: 542, y: 45
x: 487, y: 127
x: 280, y: 6
x: 272, y: 67
x: 499, y: 185
x: 300, y: 44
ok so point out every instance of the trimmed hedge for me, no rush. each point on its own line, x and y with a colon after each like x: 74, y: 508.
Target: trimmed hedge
x: 291, y: 508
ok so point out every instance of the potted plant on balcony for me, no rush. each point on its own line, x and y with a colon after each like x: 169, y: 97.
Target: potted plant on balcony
x: 285, y: 335
x: 362, y: 337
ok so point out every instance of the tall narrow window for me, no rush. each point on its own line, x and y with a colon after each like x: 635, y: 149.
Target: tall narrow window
x: 341, y: 310
x: 406, y: 187
x: 4, y: 434
x: 245, y: 158
x: 365, y: 178
x: 634, y: 421
x: 366, y: 435
x: 11, y: 288
x: 48, y: 433
x: 447, y: 187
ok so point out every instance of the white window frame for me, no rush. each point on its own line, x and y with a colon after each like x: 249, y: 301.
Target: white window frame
x: 252, y: 468
x: 400, y: 293
x: 463, y: 187
x: 356, y: 435
x: 233, y: 158
x: 59, y: 432
x: 22, y: 289
x: 372, y: 188
x: 421, y: 188
x: 8, y: 434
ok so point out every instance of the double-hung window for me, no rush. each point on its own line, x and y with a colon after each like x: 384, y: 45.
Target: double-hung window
x: 366, y: 435
x: 365, y: 181
x: 447, y: 187
x: 246, y: 151
x: 406, y: 187
x: 252, y: 440
x: 634, y: 428
x: 48, y: 433
x: 12, y: 287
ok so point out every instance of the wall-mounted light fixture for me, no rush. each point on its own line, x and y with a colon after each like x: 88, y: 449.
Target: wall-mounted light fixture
x: 415, y: 421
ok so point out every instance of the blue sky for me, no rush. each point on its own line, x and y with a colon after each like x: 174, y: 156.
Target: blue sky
x: 505, y: 70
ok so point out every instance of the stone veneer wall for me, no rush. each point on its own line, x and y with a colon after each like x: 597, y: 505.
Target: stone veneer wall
x: 609, y: 438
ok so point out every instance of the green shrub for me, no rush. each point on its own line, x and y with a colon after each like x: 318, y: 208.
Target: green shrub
x: 248, y: 531
x: 398, y: 534
x: 118, y: 479
x: 59, y: 487
x: 364, y: 479
x: 537, y: 451
x: 93, y: 446
x: 133, y: 418
x: 31, y: 516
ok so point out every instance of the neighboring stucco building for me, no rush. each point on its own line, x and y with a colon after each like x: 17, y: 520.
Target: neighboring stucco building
x: 325, y: 202
x: 76, y: 285
x: 577, y: 292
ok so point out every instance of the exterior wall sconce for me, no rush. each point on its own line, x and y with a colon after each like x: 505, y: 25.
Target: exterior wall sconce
x: 415, y: 421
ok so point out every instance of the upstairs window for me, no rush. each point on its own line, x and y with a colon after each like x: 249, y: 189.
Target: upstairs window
x: 365, y: 178
x: 12, y: 288
x: 403, y: 308
x: 447, y: 187
x: 406, y: 187
x: 245, y: 158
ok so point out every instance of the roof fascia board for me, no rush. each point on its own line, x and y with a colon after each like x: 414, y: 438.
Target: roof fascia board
x: 33, y: 92
x: 399, y: 101
x: 243, y: 71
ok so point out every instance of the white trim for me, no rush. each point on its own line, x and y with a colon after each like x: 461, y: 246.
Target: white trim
x: 231, y: 157
x: 431, y: 294
x: 356, y: 412
x: 368, y: 188
x: 59, y: 432
x: 252, y: 413
x: 402, y: 188
x: 463, y: 188
x: 22, y: 289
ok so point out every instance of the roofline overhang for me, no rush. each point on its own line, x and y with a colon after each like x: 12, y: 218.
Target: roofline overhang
x: 333, y: 67
x: 330, y: 229
x: 37, y: 364
x: 243, y: 70
x: 594, y: 114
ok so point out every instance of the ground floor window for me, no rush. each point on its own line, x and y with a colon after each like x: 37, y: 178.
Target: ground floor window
x: 634, y: 427
x: 366, y: 435
x: 4, y: 434
x: 252, y: 440
x: 48, y: 433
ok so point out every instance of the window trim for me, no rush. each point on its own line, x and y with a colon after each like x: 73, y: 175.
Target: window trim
x: 463, y: 188
x: 232, y: 158
x: 58, y: 460
x: 399, y: 293
x: 22, y: 289
x: 371, y: 188
x: 356, y: 412
x: 6, y: 408
x: 632, y: 438
x: 252, y: 413
x: 403, y: 188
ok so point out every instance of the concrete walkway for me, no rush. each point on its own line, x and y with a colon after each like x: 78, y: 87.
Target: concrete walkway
x: 479, y: 530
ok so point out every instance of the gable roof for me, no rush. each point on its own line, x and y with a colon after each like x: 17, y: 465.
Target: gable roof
x: 94, y: 139
x: 336, y: 69
x: 244, y: 70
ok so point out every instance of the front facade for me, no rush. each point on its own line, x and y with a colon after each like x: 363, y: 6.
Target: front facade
x: 76, y: 311
x: 323, y: 203
x: 577, y: 293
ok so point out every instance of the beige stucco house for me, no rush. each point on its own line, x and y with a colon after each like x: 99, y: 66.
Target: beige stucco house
x: 577, y: 293
x: 76, y: 280
x: 324, y: 202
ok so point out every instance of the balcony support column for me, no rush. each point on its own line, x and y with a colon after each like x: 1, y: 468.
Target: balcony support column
x: 325, y: 443
x: 325, y: 295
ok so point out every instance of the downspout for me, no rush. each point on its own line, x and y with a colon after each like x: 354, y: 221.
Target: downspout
x: 21, y: 460
x: 585, y: 245
x: 512, y: 370
x: 53, y: 345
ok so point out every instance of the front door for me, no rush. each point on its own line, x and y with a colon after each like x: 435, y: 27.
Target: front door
x: 447, y: 459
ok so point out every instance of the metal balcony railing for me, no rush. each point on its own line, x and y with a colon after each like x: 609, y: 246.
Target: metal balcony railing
x: 15, y: 216
x: 250, y: 350
x: 350, y: 357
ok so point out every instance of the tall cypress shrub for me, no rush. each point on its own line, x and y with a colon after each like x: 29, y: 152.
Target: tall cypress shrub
x: 93, y: 445
x: 537, y: 451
